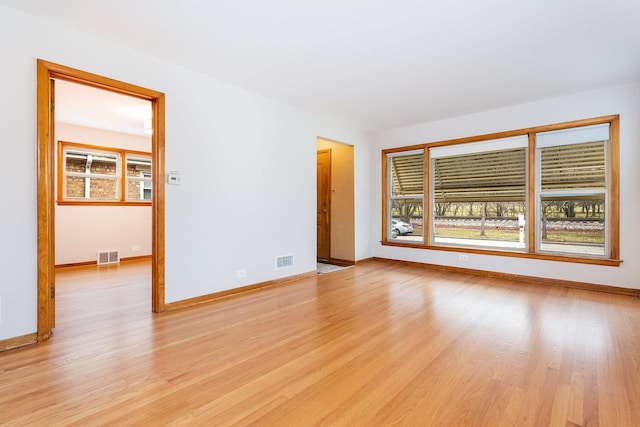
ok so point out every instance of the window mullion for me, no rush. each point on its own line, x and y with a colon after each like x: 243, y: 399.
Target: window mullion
x: 427, y: 227
x: 532, y: 190
x: 123, y: 175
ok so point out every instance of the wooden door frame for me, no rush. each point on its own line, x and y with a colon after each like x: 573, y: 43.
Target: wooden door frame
x: 46, y: 184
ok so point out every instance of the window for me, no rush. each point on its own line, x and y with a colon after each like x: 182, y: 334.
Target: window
x: 479, y: 193
x: 145, y: 186
x: 406, y: 200
x: 138, y: 178
x: 548, y: 192
x: 572, y: 191
x: 89, y: 174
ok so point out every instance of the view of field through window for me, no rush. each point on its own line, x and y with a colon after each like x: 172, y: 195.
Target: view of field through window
x: 496, y: 224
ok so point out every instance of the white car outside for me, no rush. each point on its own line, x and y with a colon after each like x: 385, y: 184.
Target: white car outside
x: 400, y: 228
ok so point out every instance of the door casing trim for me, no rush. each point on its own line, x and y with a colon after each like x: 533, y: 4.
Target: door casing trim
x: 46, y: 183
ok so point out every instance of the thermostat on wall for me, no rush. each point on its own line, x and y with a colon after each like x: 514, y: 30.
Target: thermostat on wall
x: 173, y: 178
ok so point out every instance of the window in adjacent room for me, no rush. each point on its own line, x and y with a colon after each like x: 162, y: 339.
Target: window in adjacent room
x: 138, y: 178
x: 91, y: 174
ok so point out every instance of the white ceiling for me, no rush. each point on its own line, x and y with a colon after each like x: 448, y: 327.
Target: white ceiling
x: 379, y: 63
x: 87, y: 106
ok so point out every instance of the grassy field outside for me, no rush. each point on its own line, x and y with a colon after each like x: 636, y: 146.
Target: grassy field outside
x: 506, y: 229
x: 513, y: 234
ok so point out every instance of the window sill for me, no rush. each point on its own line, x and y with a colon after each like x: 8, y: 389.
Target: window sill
x: 105, y: 203
x: 512, y: 254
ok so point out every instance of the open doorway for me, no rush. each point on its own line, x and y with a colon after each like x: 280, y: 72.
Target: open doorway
x: 103, y: 205
x: 103, y: 176
x: 335, y: 194
x: 48, y: 152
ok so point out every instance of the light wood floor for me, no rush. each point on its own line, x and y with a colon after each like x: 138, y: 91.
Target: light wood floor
x: 378, y: 344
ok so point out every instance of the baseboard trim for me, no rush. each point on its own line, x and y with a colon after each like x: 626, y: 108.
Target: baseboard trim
x: 341, y: 262
x: 365, y: 260
x: 85, y: 263
x: 190, y: 302
x: 520, y: 278
x: 17, y: 342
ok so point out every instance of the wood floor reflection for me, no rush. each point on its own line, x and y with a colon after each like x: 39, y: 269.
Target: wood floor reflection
x: 378, y: 344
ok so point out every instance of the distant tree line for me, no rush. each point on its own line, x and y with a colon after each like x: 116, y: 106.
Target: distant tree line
x: 406, y: 209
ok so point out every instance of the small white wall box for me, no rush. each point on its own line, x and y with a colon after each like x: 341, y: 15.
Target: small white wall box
x: 173, y: 178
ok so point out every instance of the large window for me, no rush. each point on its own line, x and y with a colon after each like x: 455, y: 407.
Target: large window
x: 98, y: 175
x: 548, y: 192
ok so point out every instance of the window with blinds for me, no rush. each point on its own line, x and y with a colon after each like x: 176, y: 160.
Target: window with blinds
x: 406, y: 200
x: 572, y: 191
x: 548, y: 192
x: 481, y: 177
x: 479, y: 192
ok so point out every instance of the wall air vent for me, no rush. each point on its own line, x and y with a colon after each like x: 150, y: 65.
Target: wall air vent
x: 109, y: 257
x: 284, y: 261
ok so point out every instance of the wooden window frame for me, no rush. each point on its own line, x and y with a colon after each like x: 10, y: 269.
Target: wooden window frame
x: 613, y: 167
x: 121, y: 176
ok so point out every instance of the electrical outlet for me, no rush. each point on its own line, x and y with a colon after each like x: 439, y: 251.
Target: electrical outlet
x: 241, y: 273
x: 464, y: 257
x: 135, y: 248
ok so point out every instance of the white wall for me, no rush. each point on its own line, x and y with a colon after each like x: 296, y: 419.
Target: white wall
x: 247, y: 165
x: 623, y: 100
x: 82, y: 231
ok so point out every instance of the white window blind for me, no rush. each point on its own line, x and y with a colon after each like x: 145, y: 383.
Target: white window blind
x: 520, y: 141
x: 493, y: 170
x: 407, y: 173
x: 573, y: 135
x: 574, y: 166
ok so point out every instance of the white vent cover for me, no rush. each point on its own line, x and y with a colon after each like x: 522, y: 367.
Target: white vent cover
x: 284, y: 261
x: 110, y: 257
